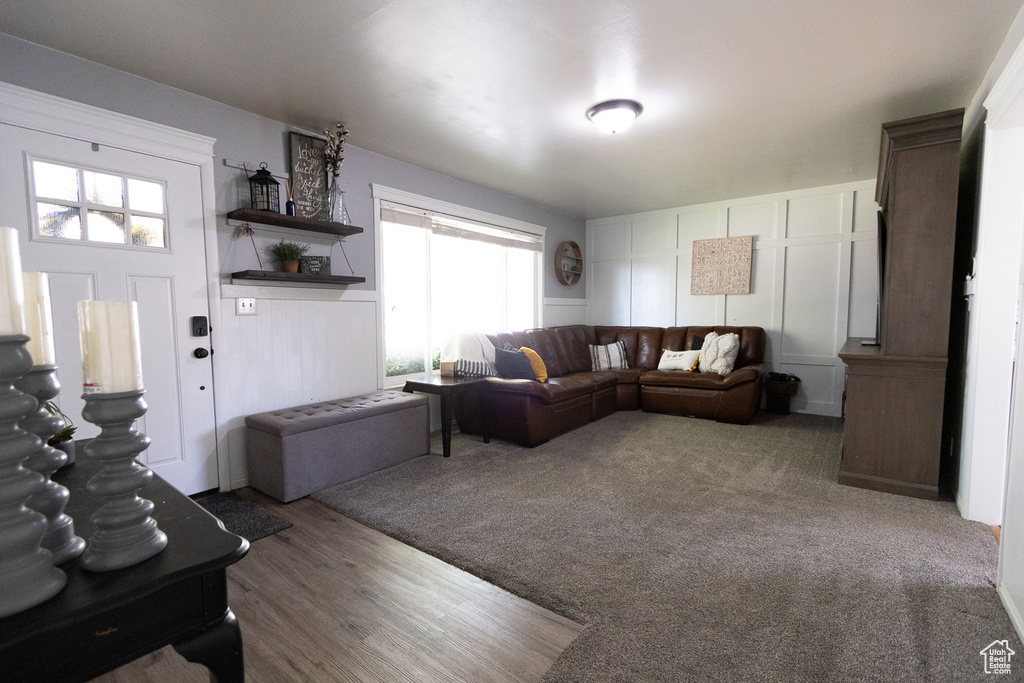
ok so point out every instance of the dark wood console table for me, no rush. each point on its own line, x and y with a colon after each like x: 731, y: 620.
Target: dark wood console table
x: 893, y: 428
x: 895, y: 392
x: 444, y: 387
x: 102, y: 620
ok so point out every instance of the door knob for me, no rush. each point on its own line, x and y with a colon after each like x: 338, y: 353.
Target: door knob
x: 200, y: 353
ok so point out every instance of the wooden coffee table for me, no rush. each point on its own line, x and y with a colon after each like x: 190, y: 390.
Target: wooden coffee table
x: 444, y: 387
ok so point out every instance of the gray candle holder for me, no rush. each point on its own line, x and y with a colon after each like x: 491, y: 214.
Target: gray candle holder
x: 125, y: 532
x: 60, y: 539
x: 27, y: 573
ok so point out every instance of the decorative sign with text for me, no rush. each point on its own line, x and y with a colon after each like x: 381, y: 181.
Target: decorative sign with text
x: 309, y: 175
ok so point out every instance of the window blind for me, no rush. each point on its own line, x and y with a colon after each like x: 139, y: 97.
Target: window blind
x: 449, y: 226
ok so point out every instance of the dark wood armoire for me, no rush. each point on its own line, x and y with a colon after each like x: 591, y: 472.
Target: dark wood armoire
x: 895, y: 391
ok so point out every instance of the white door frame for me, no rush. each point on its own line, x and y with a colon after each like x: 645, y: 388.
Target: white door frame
x: 1002, y: 216
x: 50, y: 114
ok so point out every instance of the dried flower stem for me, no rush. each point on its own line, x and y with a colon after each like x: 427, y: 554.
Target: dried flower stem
x: 335, y: 148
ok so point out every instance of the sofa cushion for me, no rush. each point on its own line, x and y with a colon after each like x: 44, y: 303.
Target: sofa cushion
x: 554, y: 390
x: 718, y: 353
x: 305, y: 418
x: 700, y: 380
x: 608, y: 356
x: 682, y: 338
x: 548, y: 346
x: 628, y: 376
x: 574, y: 351
x: 678, y: 360
x: 513, y: 363
x: 602, y: 379
x: 643, y: 344
x: 537, y: 363
x: 752, y: 342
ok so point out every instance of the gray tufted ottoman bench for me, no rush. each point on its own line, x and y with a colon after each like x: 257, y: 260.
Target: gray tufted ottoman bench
x: 297, y: 451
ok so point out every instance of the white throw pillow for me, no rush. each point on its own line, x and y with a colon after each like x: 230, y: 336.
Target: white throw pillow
x: 609, y: 357
x: 678, y: 360
x: 719, y: 352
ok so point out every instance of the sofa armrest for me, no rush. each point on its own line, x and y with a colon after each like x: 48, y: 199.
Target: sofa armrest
x: 748, y: 373
x: 757, y: 367
x: 528, y: 387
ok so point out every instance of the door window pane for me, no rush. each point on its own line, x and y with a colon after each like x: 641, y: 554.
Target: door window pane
x: 101, y: 188
x: 54, y: 181
x: 59, y: 221
x: 145, y: 196
x: 71, y: 204
x: 106, y: 226
x: 147, y: 232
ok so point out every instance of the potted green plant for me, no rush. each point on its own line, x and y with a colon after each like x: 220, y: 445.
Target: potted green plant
x: 288, y: 253
x: 63, y: 439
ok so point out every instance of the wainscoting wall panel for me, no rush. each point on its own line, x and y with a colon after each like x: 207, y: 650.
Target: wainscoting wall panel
x: 811, y: 287
x: 697, y: 310
x: 653, y: 304
x: 608, y: 290
x: 813, y: 279
x: 559, y: 312
x: 755, y: 308
x: 303, y: 345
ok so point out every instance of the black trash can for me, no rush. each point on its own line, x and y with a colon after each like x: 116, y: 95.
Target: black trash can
x: 781, y: 388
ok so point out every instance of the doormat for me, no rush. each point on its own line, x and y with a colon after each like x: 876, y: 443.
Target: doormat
x: 243, y: 517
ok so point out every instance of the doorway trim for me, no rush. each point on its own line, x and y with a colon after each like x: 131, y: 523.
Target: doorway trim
x: 45, y: 113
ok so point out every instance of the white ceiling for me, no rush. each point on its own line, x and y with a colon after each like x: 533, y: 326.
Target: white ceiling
x: 741, y: 97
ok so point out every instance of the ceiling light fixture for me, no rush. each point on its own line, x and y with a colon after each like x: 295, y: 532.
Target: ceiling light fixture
x: 615, y: 116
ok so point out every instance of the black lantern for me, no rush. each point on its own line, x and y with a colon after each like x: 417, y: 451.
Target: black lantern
x: 263, y: 190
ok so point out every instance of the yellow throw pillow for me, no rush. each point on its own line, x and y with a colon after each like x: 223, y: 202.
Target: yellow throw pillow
x: 539, y: 368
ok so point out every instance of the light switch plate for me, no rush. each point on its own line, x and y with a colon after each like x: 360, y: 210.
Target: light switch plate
x: 245, y: 306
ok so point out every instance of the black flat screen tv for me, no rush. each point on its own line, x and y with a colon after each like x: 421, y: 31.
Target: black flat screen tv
x: 882, y: 241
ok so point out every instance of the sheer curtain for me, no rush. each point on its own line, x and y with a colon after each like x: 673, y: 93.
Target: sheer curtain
x: 443, y: 275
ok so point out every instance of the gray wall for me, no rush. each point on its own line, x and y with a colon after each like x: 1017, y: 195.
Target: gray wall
x: 242, y: 136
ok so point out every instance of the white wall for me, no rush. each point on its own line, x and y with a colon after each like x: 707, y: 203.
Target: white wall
x: 813, y: 279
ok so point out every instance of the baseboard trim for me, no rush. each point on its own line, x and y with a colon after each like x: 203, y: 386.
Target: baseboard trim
x: 1011, y: 610
x: 902, y: 488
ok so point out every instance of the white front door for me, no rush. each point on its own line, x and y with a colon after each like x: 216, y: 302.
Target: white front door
x: 106, y: 223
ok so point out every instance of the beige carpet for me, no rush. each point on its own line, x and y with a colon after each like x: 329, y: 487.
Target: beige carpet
x: 697, y: 551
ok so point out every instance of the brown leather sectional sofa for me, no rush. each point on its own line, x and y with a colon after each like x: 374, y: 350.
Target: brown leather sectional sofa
x: 529, y: 412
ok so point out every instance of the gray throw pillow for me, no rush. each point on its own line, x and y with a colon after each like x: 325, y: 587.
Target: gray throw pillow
x: 513, y: 364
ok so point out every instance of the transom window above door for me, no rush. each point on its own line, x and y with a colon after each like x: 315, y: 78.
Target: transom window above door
x: 84, y: 205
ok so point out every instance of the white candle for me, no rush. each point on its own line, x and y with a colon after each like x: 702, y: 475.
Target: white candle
x: 12, y: 293
x: 39, y: 319
x: 111, y: 358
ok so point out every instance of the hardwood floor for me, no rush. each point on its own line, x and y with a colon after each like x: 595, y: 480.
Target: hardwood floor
x: 332, y: 600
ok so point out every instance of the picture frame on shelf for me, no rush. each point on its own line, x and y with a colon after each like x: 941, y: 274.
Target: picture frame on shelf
x: 315, y: 265
x: 309, y: 174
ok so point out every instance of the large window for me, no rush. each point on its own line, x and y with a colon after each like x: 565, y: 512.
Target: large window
x: 443, y: 275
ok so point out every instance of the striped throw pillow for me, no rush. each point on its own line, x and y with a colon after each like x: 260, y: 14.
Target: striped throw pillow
x: 472, y: 368
x: 609, y: 357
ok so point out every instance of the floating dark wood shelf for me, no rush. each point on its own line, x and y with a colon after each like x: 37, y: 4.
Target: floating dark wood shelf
x: 298, y: 278
x: 281, y: 220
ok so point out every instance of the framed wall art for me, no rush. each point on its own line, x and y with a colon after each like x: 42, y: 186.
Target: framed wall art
x: 722, y: 266
x: 309, y: 175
